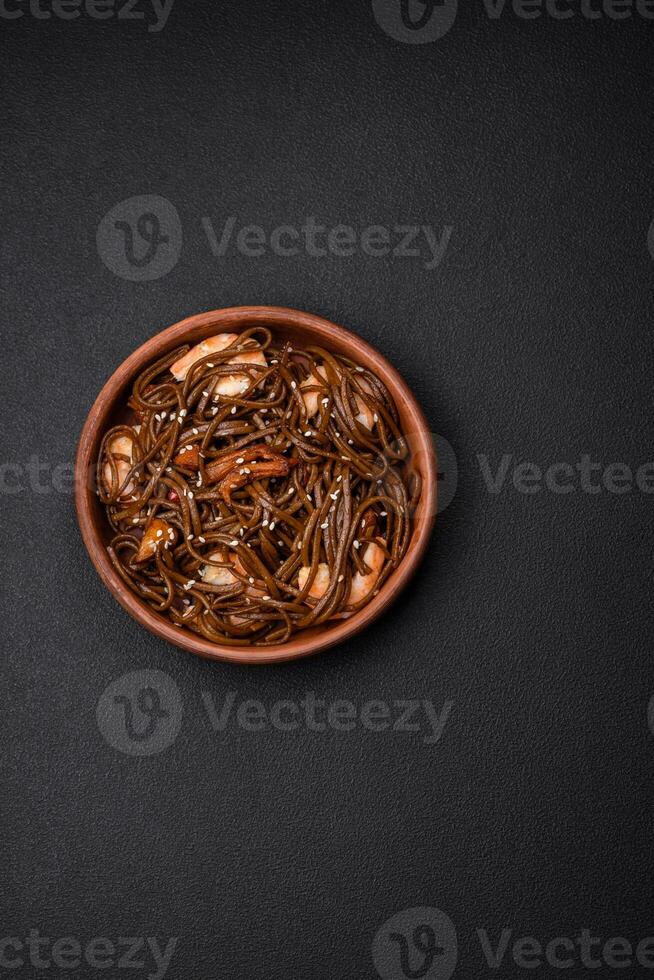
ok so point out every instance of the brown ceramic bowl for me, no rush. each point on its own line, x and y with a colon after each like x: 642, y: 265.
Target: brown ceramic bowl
x: 302, y: 328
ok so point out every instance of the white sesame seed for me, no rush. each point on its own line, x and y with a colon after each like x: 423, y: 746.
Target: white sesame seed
x: 246, y: 470
x: 334, y: 495
x: 375, y: 417
x: 135, y: 520
x: 214, y: 410
x: 163, y: 415
x: 272, y: 525
x: 241, y: 531
x: 233, y: 409
x: 251, y: 580
x: 274, y: 361
x: 356, y: 544
x: 383, y: 514
x: 266, y: 598
x: 171, y: 533
x: 308, y: 432
x: 325, y: 401
x: 205, y: 393
x: 350, y: 442
x: 339, y: 478
x: 326, y: 524
x: 281, y: 544
x: 240, y: 460
x: 157, y: 417
x: 189, y: 585
x: 265, y: 523
x: 188, y: 449
x: 360, y: 370
x: 182, y: 413
x: 234, y: 543
x: 190, y: 495
x: 340, y: 578
x: 160, y: 533
x: 293, y: 385
x: 195, y: 431
x: 202, y: 540
x: 190, y: 536
x: 209, y: 364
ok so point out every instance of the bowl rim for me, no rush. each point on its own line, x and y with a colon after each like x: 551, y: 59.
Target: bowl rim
x: 223, y: 320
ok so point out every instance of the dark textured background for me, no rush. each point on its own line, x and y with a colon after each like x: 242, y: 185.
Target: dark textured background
x: 280, y: 855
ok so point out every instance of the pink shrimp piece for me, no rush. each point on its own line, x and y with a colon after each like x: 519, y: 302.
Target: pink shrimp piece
x: 320, y: 583
x: 362, y: 585
x: 230, y: 385
x: 312, y: 398
x: 223, y: 576
x: 124, y: 446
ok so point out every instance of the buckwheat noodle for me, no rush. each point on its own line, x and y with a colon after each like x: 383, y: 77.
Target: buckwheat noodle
x: 260, y: 489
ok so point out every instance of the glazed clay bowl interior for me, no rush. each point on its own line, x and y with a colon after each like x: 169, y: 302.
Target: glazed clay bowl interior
x: 301, y: 329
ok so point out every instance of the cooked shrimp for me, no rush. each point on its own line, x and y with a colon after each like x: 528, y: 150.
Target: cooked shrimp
x: 159, y: 534
x: 312, y: 398
x: 365, y: 416
x: 229, y: 385
x: 320, y: 583
x: 223, y: 576
x: 218, y: 576
x: 362, y: 585
x: 121, y: 446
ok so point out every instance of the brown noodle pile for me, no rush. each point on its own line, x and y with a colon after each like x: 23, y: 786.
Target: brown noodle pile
x: 257, y: 493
